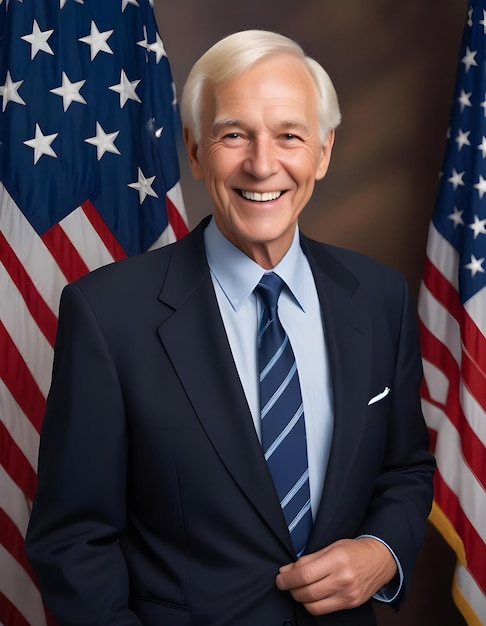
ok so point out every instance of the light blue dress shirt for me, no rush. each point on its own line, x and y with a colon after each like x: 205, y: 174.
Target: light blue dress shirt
x: 234, y: 277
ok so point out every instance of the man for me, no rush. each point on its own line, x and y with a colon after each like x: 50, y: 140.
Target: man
x: 157, y: 503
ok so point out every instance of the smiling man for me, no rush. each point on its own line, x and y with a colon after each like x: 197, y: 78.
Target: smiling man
x: 260, y: 153
x: 233, y: 435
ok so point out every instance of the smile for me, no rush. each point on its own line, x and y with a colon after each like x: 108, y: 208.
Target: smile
x: 261, y: 197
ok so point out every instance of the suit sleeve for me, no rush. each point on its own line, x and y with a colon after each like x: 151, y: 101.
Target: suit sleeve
x: 404, y: 488
x: 79, y: 513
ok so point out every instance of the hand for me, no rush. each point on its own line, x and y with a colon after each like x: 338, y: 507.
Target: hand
x: 341, y: 576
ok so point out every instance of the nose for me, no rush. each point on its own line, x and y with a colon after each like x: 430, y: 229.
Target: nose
x: 261, y: 159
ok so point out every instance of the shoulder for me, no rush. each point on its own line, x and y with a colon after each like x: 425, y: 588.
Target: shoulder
x: 146, y: 271
x: 343, y: 262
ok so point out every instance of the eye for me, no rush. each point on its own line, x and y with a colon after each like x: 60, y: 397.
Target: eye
x: 232, y: 136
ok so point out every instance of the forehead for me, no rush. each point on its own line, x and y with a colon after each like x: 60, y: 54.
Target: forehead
x: 277, y: 83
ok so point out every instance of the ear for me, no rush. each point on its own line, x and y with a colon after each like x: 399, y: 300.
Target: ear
x: 192, y: 149
x: 325, y: 155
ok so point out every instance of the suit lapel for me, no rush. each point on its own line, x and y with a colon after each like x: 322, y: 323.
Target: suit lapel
x: 194, y: 337
x: 348, y: 344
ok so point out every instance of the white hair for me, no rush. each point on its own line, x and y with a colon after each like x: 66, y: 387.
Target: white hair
x: 232, y: 56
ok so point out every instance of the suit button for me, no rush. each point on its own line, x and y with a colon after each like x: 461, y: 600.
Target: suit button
x: 287, y: 622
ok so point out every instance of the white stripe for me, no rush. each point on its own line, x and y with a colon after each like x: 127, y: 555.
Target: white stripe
x: 31, y: 343
x: 279, y: 391
x: 85, y: 239
x: 440, y: 323
x: 476, y: 307
x: 14, y: 502
x: 302, y: 480
x: 31, y: 251
x: 268, y: 368
x: 299, y: 516
x: 271, y: 449
x: 17, y: 585
x: 175, y: 196
x: 438, y: 386
x: 454, y: 471
x: 446, y: 259
x: 445, y: 328
x: 443, y: 255
x: 168, y: 235
x: 471, y: 591
x: 19, y: 426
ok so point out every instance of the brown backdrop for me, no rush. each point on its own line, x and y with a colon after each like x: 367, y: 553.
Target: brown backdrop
x: 393, y: 65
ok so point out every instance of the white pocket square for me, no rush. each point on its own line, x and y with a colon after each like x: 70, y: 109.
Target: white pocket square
x: 380, y: 396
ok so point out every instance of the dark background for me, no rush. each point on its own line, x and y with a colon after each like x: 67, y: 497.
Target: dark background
x: 393, y: 65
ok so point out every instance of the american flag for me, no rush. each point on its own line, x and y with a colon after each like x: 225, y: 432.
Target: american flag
x: 88, y: 175
x: 452, y: 311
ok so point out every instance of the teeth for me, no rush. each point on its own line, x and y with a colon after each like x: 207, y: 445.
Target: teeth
x: 261, y: 197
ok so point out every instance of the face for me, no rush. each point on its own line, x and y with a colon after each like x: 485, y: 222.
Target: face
x: 260, y: 154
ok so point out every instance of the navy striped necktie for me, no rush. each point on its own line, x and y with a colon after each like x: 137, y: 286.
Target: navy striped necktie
x: 282, y: 415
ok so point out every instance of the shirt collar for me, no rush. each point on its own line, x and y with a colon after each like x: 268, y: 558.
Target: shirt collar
x: 238, y: 275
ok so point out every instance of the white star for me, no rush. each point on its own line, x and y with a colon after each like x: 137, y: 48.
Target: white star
x: 456, y: 179
x: 125, y: 3
x: 97, y: 40
x: 481, y: 186
x: 144, y: 42
x: 9, y: 91
x: 38, y: 40
x: 483, y: 21
x: 462, y: 139
x: 158, y: 48
x: 63, y: 2
x: 465, y: 99
x: 69, y: 92
x: 126, y: 89
x: 456, y: 217
x: 104, y: 142
x: 41, y: 144
x: 469, y: 17
x: 475, y: 265
x: 479, y: 226
x: 482, y: 147
x: 468, y: 59
x: 144, y: 186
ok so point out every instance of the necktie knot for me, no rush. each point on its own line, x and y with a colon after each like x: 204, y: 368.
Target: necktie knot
x: 269, y: 289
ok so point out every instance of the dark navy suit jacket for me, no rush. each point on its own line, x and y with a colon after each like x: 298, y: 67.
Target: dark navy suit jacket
x: 155, y: 504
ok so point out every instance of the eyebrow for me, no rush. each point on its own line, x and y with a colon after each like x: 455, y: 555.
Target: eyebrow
x: 225, y: 123
x: 290, y: 124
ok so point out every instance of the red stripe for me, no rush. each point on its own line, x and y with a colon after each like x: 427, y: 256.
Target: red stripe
x: 18, y: 379
x: 474, y: 379
x: 16, y: 464
x: 175, y: 219
x: 13, y: 541
x: 104, y: 233
x: 474, y: 546
x: 473, y: 360
x: 446, y: 294
x: 67, y: 257
x: 9, y: 614
x: 44, y: 317
x: 436, y: 353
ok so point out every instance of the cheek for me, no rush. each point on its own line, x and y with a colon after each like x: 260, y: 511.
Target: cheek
x: 304, y: 165
x: 217, y: 169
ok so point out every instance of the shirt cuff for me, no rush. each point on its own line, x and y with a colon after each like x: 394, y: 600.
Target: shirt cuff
x: 389, y: 592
